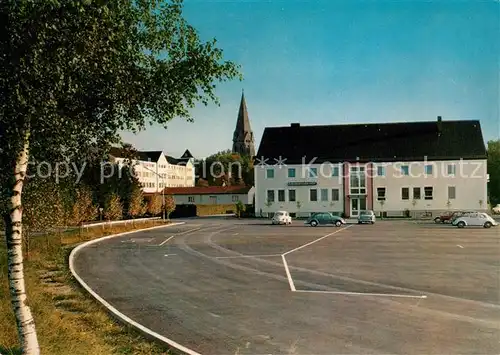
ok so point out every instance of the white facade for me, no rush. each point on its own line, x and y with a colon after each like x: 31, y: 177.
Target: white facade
x: 154, y: 176
x: 404, y: 187
x: 214, y: 198
x: 430, y: 186
x: 298, y: 189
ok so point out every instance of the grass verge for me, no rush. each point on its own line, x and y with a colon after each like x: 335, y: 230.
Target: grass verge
x: 68, y: 320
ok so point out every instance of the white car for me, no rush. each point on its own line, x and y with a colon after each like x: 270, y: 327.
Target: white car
x: 474, y: 219
x: 281, y: 217
x: 496, y: 209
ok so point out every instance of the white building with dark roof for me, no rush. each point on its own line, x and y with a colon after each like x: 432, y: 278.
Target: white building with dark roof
x: 156, y: 171
x: 395, y: 169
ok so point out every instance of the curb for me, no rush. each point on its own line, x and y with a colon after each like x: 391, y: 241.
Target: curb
x: 118, y: 314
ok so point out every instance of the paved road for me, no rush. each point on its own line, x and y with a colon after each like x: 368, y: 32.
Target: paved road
x: 197, y: 289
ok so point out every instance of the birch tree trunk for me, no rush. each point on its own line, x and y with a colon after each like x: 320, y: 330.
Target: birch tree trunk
x: 13, y: 234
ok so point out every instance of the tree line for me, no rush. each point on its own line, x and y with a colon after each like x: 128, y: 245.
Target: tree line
x: 51, y: 201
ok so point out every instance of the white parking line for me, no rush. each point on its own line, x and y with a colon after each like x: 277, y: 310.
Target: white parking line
x: 178, y: 234
x: 165, y: 241
x: 363, y: 294
x: 288, y: 275
x: 317, y: 240
x: 246, y: 256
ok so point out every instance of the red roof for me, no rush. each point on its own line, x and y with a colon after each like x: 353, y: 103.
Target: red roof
x: 207, y: 190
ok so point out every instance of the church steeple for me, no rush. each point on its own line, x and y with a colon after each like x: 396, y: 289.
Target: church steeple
x: 243, y: 141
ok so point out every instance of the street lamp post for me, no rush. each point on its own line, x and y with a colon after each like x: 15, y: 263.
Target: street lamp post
x: 162, y: 190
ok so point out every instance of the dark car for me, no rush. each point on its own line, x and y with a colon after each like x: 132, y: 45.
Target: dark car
x: 449, y: 216
x: 324, y: 218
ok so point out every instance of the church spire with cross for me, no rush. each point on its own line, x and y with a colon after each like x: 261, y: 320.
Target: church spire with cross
x: 243, y: 141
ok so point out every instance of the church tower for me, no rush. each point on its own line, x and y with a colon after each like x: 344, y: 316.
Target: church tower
x: 243, y: 141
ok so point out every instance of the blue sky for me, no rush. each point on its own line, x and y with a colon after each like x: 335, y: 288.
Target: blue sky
x: 328, y: 62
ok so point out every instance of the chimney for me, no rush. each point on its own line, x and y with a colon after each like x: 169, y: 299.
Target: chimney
x: 439, y: 125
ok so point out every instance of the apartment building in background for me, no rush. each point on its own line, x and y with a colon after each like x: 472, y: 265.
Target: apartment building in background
x: 395, y: 169
x: 156, y: 171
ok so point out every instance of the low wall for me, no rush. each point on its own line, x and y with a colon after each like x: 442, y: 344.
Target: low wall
x: 207, y: 210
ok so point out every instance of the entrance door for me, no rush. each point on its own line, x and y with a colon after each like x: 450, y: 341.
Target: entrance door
x: 355, y: 207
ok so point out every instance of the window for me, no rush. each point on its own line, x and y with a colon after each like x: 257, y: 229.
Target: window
x: 313, y: 195
x: 270, y: 195
x: 270, y: 173
x: 313, y: 172
x: 191, y: 199
x: 335, y: 171
x: 380, y: 170
x: 235, y: 198
x: 335, y: 195
x: 380, y: 193
x: 291, y: 172
x: 324, y: 194
x: 405, y: 170
x: 291, y: 195
x: 451, y: 192
x: 213, y: 199
x: 416, y: 193
x: 428, y: 192
x: 358, y: 181
x: 428, y: 169
x: 405, y: 193
x: 281, y: 195
x: 452, y: 169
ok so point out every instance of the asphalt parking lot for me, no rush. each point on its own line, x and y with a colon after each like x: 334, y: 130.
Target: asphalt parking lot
x: 247, y: 287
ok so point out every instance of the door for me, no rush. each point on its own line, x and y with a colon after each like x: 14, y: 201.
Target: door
x: 355, y: 207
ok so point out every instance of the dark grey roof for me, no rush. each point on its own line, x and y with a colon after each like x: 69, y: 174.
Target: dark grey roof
x: 187, y: 155
x: 405, y: 141
x: 151, y: 156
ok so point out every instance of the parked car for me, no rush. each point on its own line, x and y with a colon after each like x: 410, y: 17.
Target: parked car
x: 496, y: 209
x: 366, y: 217
x: 281, y: 217
x: 324, y: 218
x: 474, y: 219
x: 448, y: 217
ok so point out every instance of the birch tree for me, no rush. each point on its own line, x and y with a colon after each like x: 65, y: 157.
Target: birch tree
x: 74, y: 74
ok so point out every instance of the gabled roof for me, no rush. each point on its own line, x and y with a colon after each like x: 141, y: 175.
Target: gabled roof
x: 405, y: 141
x: 152, y: 156
x: 187, y: 155
x: 207, y: 190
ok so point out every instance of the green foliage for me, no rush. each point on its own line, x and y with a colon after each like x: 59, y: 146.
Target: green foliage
x: 240, y: 208
x: 169, y: 205
x: 155, y: 204
x: 136, y: 206
x: 494, y: 171
x: 113, y: 208
x: 83, y: 209
x: 227, y: 168
x: 43, y: 205
x: 75, y: 73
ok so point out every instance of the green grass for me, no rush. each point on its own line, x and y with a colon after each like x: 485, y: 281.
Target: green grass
x: 68, y: 320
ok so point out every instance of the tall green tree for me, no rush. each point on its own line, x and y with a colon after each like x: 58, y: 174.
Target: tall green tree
x: 75, y: 73
x: 226, y: 167
x: 494, y: 171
